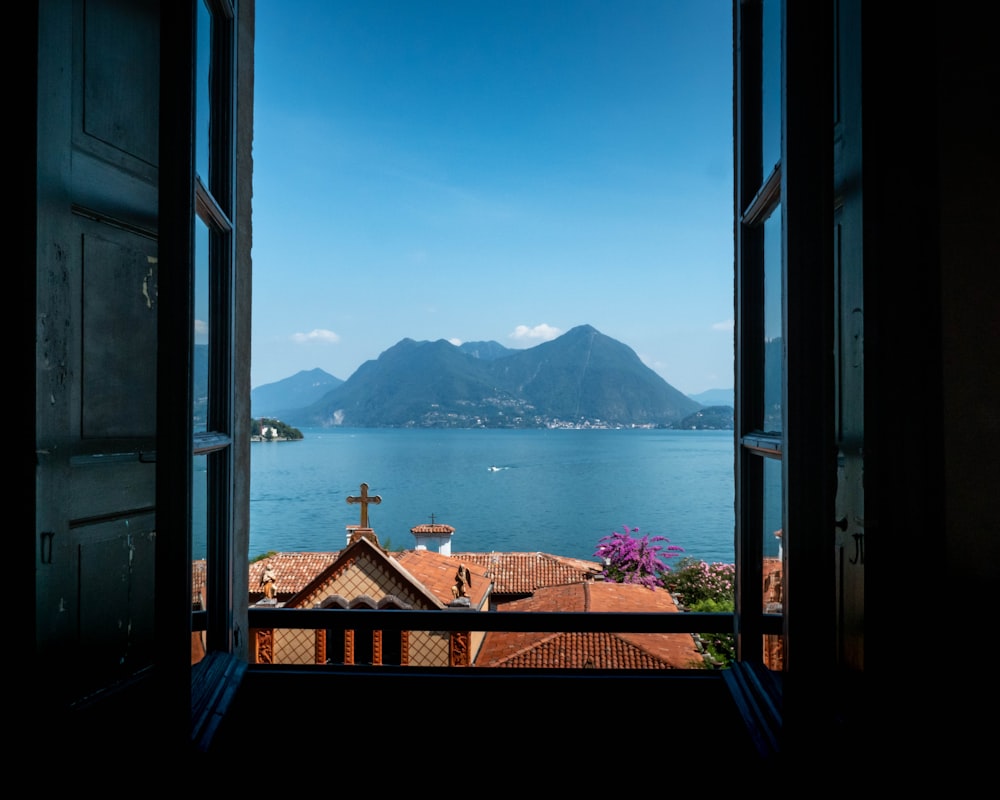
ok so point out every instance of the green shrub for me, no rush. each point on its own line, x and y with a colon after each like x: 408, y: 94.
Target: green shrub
x: 699, y: 586
x: 691, y: 581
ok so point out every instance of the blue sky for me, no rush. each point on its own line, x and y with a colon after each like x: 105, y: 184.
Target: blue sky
x: 493, y: 170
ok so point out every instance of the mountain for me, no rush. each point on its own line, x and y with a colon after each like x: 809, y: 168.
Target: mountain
x: 716, y: 397
x: 582, y: 378
x: 301, y: 389
x: 485, y: 350
x: 713, y: 418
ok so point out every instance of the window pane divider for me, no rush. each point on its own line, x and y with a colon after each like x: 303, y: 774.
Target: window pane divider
x: 766, y: 198
x: 763, y: 443
x: 210, y: 442
x: 209, y: 210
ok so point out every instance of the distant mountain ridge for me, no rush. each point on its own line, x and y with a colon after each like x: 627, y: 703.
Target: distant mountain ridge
x: 301, y: 389
x: 715, y: 397
x: 713, y: 418
x: 580, y: 379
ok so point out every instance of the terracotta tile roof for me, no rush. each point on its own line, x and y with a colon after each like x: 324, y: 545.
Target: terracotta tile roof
x: 586, y: 650
x: 599, y: 650
x: 437, y: 573
x: 523, y: 573
x: 511, y: 573
x: 293, y: 572
x: 379, y: 572
x: 433, y: 527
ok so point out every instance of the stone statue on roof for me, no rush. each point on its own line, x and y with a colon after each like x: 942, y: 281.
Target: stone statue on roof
x: 463, y: 581
x: 268, y: 580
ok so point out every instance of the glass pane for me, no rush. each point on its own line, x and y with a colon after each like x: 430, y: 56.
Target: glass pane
x: 199, y: 508
x: 201, y: 306
x: 773, y: 340
x: 771, y: 86
x: 773, y: 595
x: 772, y: 508
x: 199, y: 549
x: 203, y: 93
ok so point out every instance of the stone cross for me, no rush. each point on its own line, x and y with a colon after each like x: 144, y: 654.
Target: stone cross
x: 364, y: 499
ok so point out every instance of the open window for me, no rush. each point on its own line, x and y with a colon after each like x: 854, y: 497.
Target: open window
x: 785, y: 301
x: 200, y: 452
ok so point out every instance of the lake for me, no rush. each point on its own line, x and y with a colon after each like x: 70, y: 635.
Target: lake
x: 553, y: 491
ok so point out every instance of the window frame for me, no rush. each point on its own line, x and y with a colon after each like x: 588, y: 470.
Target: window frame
x: 800, y: 187
x: 215, y: 206
x: 799, y: 182
x: 184, y: 198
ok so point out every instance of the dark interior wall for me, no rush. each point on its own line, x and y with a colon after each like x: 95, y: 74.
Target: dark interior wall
x: 932, y: 354
x: 968, y: 132
x: 931, y: 338
x: 904, y: 433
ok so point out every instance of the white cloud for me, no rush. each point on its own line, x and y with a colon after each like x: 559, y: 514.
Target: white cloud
x: 539, y: 333
x: 200, y: 330
x: 316, y: 335
x: 725, y: 325
x: 455, y: 341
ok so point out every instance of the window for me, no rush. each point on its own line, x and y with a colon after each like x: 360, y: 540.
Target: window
x: 214, y: 265
x: 198, y: 370
x: 783, y: 328
x: 759, y: 318
x: 774, y: 430
x: 783, y: 247
x: 762, y: 333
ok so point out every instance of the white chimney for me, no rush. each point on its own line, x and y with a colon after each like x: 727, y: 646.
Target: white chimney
x: 433, y: 537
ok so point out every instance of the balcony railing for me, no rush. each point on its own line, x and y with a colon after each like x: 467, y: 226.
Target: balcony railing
x: 709, y: 699
x: 363, y: 620
x: 509, y: 621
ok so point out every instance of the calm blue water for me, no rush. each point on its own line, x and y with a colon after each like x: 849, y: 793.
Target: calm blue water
x: 558, y: 491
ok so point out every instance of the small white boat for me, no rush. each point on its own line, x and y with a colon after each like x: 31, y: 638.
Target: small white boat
x: 493, y: 468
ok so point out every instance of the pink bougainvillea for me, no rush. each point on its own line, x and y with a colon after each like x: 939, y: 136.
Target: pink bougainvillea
x: 629, y: 558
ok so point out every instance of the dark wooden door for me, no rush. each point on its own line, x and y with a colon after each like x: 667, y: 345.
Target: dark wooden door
x: 849, y: 339
x: 96, y: 342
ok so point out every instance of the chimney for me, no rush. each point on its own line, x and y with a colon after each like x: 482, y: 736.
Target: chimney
x: 433, y: 537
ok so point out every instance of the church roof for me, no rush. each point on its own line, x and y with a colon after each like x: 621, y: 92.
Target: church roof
x: 515, y: 574
x: 415, y: 578
x: 363, y: 568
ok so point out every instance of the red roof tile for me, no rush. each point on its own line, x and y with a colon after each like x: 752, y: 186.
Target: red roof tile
x: 583, y: 650
x: 381, y: 564
x: 523, y: 573
x: 437, y: 573
x: 510, y: 573
x: 433, y: 571
x: 599, y: 650
x: 433, y: 527
x: 293, y: 571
